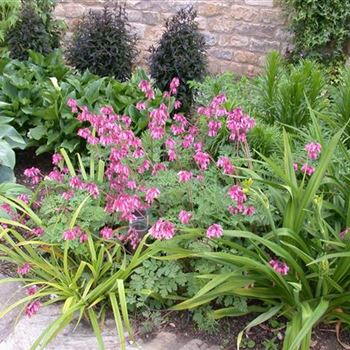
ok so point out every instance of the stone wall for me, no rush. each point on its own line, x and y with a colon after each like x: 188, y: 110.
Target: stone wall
x: 239, y: 33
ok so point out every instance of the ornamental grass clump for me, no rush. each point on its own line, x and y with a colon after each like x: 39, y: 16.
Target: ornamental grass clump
x: 102, y: 43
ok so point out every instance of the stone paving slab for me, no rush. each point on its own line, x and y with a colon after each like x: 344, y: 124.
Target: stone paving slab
x: 22, y: 335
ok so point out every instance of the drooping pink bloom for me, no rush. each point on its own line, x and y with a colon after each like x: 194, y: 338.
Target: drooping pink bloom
x: 185, y: 217
x: 68, y: 195
x: 239, y: 124
x: 93, y: 189
x: 308, y: 169
x: 214, y: 126
x: 202, y: 159
x: 295, y: 166
x: 166, y: 94
x: 76, y: 183
x: 162, y: 229
x: 56, y: 159
x: 249, y: 211
x: 174, y: 84
x: 24, y: 198
x: 73, y: 105
x: 188, y: 140
x: 83, y: 237
x: 146, y: 87
x: 72, y: 234
x: 344, y: 232
x: 38, y: 231
x: 141, y: 106
x: 133, y: 237
x: 56, y: 175
x: 313, y: 150
x: 33, y: 174
x: 215, y: 231
x: 32, y: 308
x: 184, y: 176
x: 24, y: 269
x: 106, y: 233
x: 152, y: 194
x: 157, y: 168
x: 226, y: 164
x: 177, y: 104
x: 279, y: 266
x: 32, y: 290
x: 236, y: 193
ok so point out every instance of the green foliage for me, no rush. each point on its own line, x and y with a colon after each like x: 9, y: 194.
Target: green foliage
x: 102, y: 43
x: 35, y: 29
x: 10, y: 139
x: 8, y: 17
x: 181, y: 52
x: 320, y: 28
x: 284, y: 91
x: 34, y: 94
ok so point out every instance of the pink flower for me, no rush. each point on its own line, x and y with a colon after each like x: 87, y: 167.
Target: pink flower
x: 152, y: 194
x: 32, y: 308
x: 280, y: 267
x: 24, y: 269
x: 133, y: 237
x: 214, y: 126
x: 32, y: 290
x: 33, y: 174
x: 157, y: 168
x: 239, y: 124
x: 56, y: 175
x: 295, y: 166
x: 106, y: 233
x: 249, y: 211
x: 141, y: 106
x: 308, y: 169
x: 202, y: 159
x: 146, y: 87
x: 162, y: 229
x: 56, y: 159
x: 177, y: 104
x: 215, y: 231
x: 93, y: 190
x: 76, y: 183
x: 226, y: 164
x: 83, y: 237
x: 185, y: 217
x: 72, y: 234
x: 73, y: 105
x: 68, y: 195
x: 174, y: 84
x: 184, y: 176
x: 344, y: 232
x: 38, y: 231
x: 313, y: 150
x: 24, y: 198
x: 236, y: 193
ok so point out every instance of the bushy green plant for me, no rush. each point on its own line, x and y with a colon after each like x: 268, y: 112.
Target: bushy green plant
x: 8, y: 16
x: 320, y: 28
x: 35, y: 94
x: 284, y: 91
x: 10, y: 139
x: 181, y: 53
x: 35, y: 29
x: 102, y: 43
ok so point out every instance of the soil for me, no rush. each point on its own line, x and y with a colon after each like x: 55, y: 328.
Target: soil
x: 262, y: 337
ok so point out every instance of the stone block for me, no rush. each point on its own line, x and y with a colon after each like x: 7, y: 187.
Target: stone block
x: 268, y: 3
x: 151, y: 18
x: 224, y: 54
x: 208, y: 9
x: 246, y: 57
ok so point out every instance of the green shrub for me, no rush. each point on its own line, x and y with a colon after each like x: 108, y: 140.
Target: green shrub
x: 103, y: 44
x: 8, y: 17
x: 35, y: 30
x: 181, y: 53
x: 320, y: 28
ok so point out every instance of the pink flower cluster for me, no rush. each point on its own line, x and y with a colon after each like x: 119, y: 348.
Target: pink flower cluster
x: 146, y: 87
x: 185, y: 217
x: 313, y: 150
x: 74, y: 233
x: 162, y: 229
x: 24, y: 269
x: 106, y: 233
x: 280, y: 267
x: 226, y: 164
x: 214, y: 231
x: 237, y: 194
x: 33, y: 174
x: 32, y: 308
